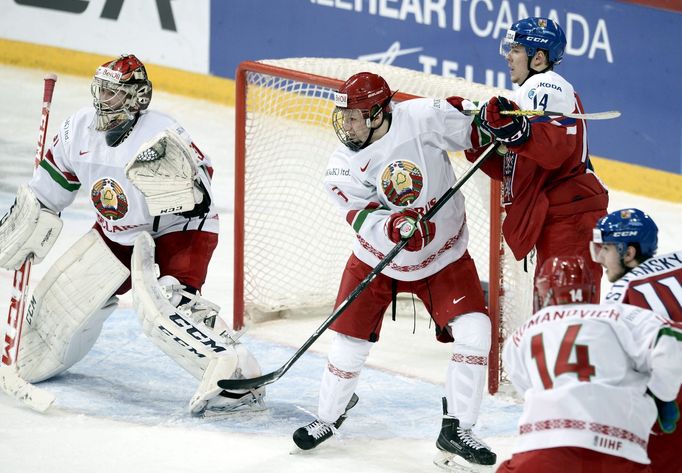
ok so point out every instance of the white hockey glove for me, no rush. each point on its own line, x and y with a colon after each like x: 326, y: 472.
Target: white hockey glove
x: 165, y: 171
x: 27, y: 229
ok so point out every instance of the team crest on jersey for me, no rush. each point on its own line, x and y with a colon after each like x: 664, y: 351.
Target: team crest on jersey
x: 108, y: 198
x: 402, y: 181
x: 531, y: 93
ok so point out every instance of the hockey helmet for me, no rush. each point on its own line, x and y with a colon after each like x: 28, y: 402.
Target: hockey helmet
x: 120, y: 89
x: 534, y: 34
x: 358, y: 100
x: 626, y: 227
x: 563, y: 280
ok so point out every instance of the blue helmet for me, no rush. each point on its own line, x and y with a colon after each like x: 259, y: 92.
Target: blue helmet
x: 534, y: 34
x: 628, y: 226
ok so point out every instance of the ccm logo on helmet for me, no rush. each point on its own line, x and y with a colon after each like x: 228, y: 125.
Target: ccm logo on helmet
x: 537, y: 40
x: 625, y: 233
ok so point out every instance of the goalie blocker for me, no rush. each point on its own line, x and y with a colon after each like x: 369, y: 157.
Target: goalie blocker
x: 27, y: 229
x: 187, y: 328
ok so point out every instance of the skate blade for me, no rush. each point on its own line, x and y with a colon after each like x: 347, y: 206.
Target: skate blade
x: 221, y: 413
x: 454, y: 463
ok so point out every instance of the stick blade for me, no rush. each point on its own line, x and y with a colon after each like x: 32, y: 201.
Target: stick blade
x: 248, y: 383
x: 34, y: 397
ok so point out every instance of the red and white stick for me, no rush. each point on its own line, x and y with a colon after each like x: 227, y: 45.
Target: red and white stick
x: 10, y: 381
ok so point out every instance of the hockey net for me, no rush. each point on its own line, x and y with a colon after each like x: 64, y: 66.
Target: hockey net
x: 291, y: 244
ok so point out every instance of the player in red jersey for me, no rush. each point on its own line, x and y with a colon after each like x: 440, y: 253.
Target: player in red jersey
x: 551, y: 195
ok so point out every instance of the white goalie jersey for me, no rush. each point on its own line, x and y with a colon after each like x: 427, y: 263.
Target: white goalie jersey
x: 584, y: 371
x: 79, y: 158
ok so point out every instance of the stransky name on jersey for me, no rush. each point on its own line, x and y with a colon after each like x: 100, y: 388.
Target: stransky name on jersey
x: 656, y: 265
x: 557, y: 313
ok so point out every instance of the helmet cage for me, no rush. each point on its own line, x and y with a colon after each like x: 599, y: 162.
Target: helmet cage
x: 120, y: 90
x: 534, y: 34
x: 563, y: 280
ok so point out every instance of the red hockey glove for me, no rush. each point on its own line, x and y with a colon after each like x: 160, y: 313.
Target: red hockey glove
x: 406, y: 225
x: 510, y: 129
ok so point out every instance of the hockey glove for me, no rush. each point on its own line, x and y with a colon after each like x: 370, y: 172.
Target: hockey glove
x: 668, y: 415
x: 511, y: 130
x: 407, y: 225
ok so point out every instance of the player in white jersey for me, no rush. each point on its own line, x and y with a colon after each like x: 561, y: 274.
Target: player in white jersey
x: 392, y: 167
x: 625, y: 243
x: 156, y: 229
x: 552, y: 198
x: 585, y: 371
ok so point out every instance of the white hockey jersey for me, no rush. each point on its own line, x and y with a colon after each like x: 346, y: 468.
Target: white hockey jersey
x: 406, y: 168
x: 79, y: 157
x: 584, y: 371
x: 546, y: 91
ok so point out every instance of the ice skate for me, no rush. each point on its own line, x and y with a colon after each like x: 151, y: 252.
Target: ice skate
x: 461, y: 450
x: 313, y: 434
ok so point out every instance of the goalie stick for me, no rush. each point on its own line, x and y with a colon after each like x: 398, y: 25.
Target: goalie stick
x: 10, y: 381
x: 532, y: 113
x: 251, y: 383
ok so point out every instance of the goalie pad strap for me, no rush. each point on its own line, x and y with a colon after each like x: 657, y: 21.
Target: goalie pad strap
x: 164, y: 170
x: 27, y: 229
x: 68, y: 308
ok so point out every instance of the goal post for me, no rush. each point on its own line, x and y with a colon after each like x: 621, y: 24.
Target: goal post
x: 290, y: 243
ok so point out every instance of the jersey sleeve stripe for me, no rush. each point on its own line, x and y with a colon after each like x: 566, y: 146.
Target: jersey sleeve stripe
x: 68, y: 181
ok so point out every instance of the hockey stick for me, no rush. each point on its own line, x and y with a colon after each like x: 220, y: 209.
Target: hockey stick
x: 10, y: 381
x: 531, y: 113
x: 232, y: 384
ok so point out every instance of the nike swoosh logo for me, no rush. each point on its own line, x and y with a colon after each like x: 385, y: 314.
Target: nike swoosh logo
x: 364, y: 168
x: 83, y: 152
x: 455, y: 301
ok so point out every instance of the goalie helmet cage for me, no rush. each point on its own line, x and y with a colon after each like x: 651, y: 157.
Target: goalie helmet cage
x: 290, y: 243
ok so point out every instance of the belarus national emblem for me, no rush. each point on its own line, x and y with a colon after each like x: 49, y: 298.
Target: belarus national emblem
x: 108, y: 198
x: 402, y: 182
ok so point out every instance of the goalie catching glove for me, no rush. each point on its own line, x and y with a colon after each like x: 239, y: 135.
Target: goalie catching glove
x: 165, y: 171
x: 27, y: 229
x: 408, y: 225
x: 511, y: 130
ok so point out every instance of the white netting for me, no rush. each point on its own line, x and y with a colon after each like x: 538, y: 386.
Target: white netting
x: 295, y: 242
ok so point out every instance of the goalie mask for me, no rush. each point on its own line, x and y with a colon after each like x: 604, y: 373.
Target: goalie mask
x: 563, y: 280
x: 121, y: 90
x: 359, y: 102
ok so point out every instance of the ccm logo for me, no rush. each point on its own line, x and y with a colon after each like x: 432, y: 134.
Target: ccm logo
x: 625, y: 234
x: 537, y: 40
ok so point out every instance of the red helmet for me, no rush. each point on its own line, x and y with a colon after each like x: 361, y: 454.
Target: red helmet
x: 359, y: 100
x: 120, y: 90
x: 563, y: 280
x: 364, y: 91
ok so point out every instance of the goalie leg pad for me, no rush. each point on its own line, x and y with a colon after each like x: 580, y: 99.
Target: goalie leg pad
x: 468, y: 367
x: 181, y: 332
x: 27, y: 229
x: 68, y: 308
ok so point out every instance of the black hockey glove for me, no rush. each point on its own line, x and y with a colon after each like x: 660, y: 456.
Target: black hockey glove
x: 511, y: 130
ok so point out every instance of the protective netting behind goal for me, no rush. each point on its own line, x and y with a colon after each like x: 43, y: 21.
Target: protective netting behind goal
x: 291, y: 243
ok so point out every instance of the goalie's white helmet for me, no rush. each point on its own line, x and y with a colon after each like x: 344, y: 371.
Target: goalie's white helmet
x: 120, y: 89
